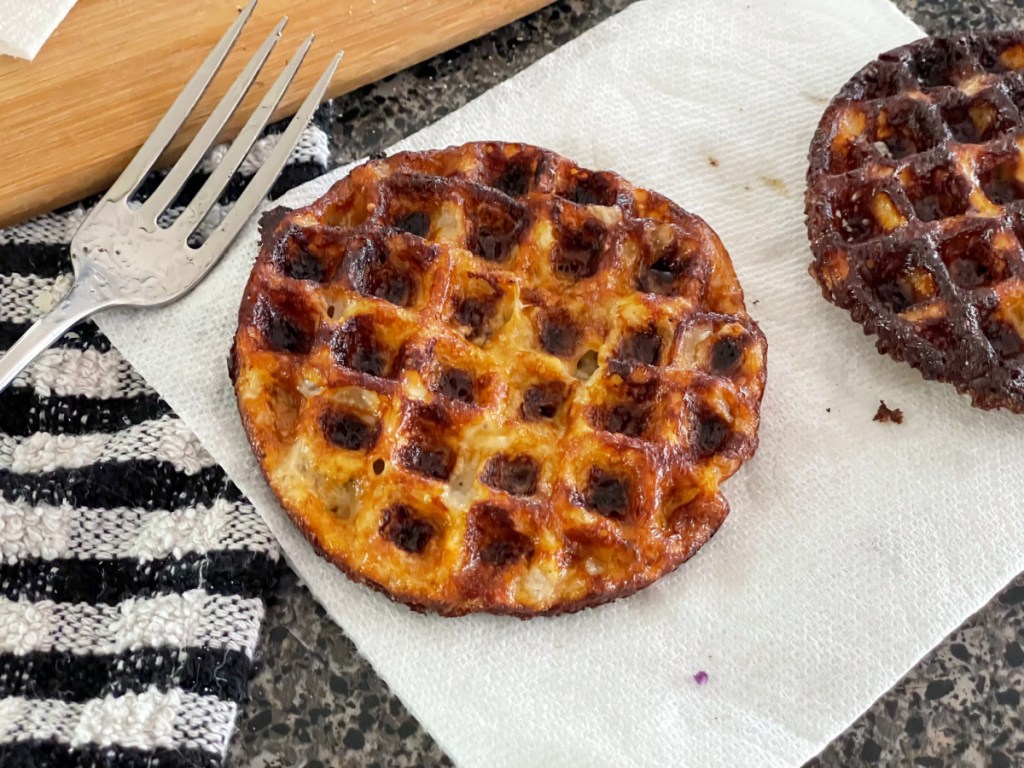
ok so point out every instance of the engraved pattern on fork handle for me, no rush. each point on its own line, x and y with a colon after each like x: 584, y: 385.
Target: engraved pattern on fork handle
x: 80, y: 302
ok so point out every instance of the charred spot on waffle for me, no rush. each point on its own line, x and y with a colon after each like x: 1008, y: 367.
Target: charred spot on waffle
x: 416, y: 223
x: 998, y: 177
x: 518, y: 176
x: 516, y: 475
x: 998, y: 52
x: 1003, y: 337
x: 304, y: 265
x: 543, y: 401
x: 607, y: 494
x: 631, y: 412
x: 558, y: 334
x: 579, y: 243
x: 971, y: 258
x: 515, y: 181
x: 942, y: 335
x: 295, y: 258
x: 592, y: 189
x: 232, y: 362
x: 269, y: 220
x: 642, y: 347
x: 861, y: 215
x: 726, y: 355
x: 370, y: 270
x: 400, y: 525
x: 479, y: 307
x: 905, y: 128
x: 476, y: 312
x: 937, y: 191
x: 627, y: 418
x: 349, y: 430
x: 386, y: 267
x: 899, y: 276
x: 433, y: 461
x: 710, y: 433
x: 456, y: 384
x: 426, y: 450
x: 493, y: 536
x: 670, y: 266
x: 975, y: 120
x: 936, y: 64
x: 878, y: 80
x: 355, y: 345
x: 497, y: 226
x: 285, y: 324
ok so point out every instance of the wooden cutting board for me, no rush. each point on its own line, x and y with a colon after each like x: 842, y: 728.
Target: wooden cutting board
x: 71, y: 119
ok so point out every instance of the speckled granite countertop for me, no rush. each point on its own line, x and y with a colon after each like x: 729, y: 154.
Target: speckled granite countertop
x: 316, y: 702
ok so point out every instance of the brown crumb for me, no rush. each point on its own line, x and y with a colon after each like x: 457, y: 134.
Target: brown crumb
x: 887, y: 414
x: 712, y: 161
x: 828, y: 410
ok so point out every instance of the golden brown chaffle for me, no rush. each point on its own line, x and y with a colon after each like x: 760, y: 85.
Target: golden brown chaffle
x: 915, y: 210
x: 485, y: 379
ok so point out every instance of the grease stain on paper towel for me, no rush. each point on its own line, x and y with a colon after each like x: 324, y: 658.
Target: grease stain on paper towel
x: 815, y: 98
x: 776, y: 184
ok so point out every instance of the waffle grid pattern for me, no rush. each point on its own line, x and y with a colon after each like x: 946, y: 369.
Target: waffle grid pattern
x: 915, y: 210
x: 486, y: 379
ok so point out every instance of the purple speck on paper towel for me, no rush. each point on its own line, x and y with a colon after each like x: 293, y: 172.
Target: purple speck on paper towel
x: 701, y: 678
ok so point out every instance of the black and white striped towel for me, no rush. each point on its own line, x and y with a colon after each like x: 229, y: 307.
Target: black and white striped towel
x: 132, y: 571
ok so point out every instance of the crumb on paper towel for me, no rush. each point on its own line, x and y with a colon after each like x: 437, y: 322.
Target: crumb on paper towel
x: 701, y: 678
x: 712, y: 161
x: 887, y: 414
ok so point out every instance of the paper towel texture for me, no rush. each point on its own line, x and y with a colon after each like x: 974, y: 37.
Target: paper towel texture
x: 25, y: 26
x: 852, y: 547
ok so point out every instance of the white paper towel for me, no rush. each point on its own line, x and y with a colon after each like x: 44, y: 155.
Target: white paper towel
x: 852, y: 547
x: 26, y: 24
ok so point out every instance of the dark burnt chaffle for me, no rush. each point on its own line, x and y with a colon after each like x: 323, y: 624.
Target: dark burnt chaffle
x: 915, y: 201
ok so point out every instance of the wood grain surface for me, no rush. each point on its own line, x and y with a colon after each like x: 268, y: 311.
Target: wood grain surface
x: 71, y: 119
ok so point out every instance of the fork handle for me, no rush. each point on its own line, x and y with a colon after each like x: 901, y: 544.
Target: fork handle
x: 80, y: 302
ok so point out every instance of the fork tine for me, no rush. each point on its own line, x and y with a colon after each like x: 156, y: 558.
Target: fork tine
x: 214, y: 185
x: 169, y: 124
x: 205, y: 136
x: 260, y: 184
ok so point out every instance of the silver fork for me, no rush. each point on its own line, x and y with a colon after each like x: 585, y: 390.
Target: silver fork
x: 121, y: 255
